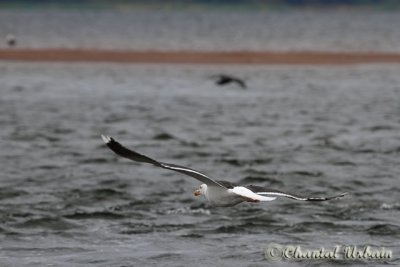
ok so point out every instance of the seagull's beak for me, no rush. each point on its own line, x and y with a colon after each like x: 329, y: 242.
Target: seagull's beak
x: 196, y: 193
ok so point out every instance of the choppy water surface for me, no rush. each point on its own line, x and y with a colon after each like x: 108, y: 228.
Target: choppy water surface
x: 66, y: 200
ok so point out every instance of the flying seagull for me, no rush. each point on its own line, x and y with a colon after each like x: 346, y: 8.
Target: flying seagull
x: 223, y: 79
x: 218, y: 193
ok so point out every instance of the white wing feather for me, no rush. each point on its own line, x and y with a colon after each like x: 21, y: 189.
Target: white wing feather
x: 244, y: 192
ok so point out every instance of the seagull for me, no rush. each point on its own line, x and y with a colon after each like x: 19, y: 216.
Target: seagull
x: 223, y: 79
x: 218, y: 193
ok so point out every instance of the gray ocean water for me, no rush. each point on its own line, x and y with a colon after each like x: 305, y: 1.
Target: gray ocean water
x: 205, y: 29
x: 66, y: 200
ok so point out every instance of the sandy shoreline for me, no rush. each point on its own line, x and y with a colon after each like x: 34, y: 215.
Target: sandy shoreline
x: 197, y: 57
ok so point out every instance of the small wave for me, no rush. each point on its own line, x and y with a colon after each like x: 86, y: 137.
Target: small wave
x: 10, y: 232
x: 144, y: 228
x: 253, y: 179
x: 137, y: 228
x: 188, y: 210
x: 101, y: 192
x: 115, y: 118
x: 93, y: 160
x: 82, y: 196
x: 314, y: 226
x: 62, y: 131
x: 228, y: 229
x: 163, y: 136
x: 51, y: 139
x: 238, y: 162
x: 166, y: 256
x: 233, y: 162
x: 48, y: 167
x: 343, y: 163
x: 10, y: 193
x: 41, y: 250
x: 377, y: 128
x: 192, y: 235
x: 114, y: 183
x: 83, y: 215
x: 384, y: 229
x: 307, y: 173
x: 190, y: 143
x: 247, y: 223
x: 52, y: 223
x: 32, y: 136
x: 357, y: 183
x: 361, y: 148
x: 18, y: 88
x: 386, y: 206
x: 256, y: 172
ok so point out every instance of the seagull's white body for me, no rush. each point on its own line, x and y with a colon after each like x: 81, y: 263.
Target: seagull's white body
x: 220, y: 197
x: 218, y: 193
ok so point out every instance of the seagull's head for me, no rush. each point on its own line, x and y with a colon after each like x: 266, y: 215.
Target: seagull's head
x: 201, y: 190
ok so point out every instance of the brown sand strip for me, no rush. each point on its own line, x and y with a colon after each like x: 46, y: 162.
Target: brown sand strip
x: 194, y: 57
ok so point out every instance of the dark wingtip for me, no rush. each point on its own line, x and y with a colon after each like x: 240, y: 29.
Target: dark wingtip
x: 343, y: 195
x: 328, y: 198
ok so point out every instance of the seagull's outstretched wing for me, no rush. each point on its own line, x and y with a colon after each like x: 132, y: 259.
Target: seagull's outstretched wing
x: 248, y: 194
x: 263, y: 191
x: 240, y: 82
x: 132, y: 155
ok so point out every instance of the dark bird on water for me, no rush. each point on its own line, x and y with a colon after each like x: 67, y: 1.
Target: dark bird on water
x: 224, y: 79
x: 11, y: 40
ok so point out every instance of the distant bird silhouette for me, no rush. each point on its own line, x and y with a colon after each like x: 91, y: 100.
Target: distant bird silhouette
x: 11, y: 40
x: 223, y: 79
